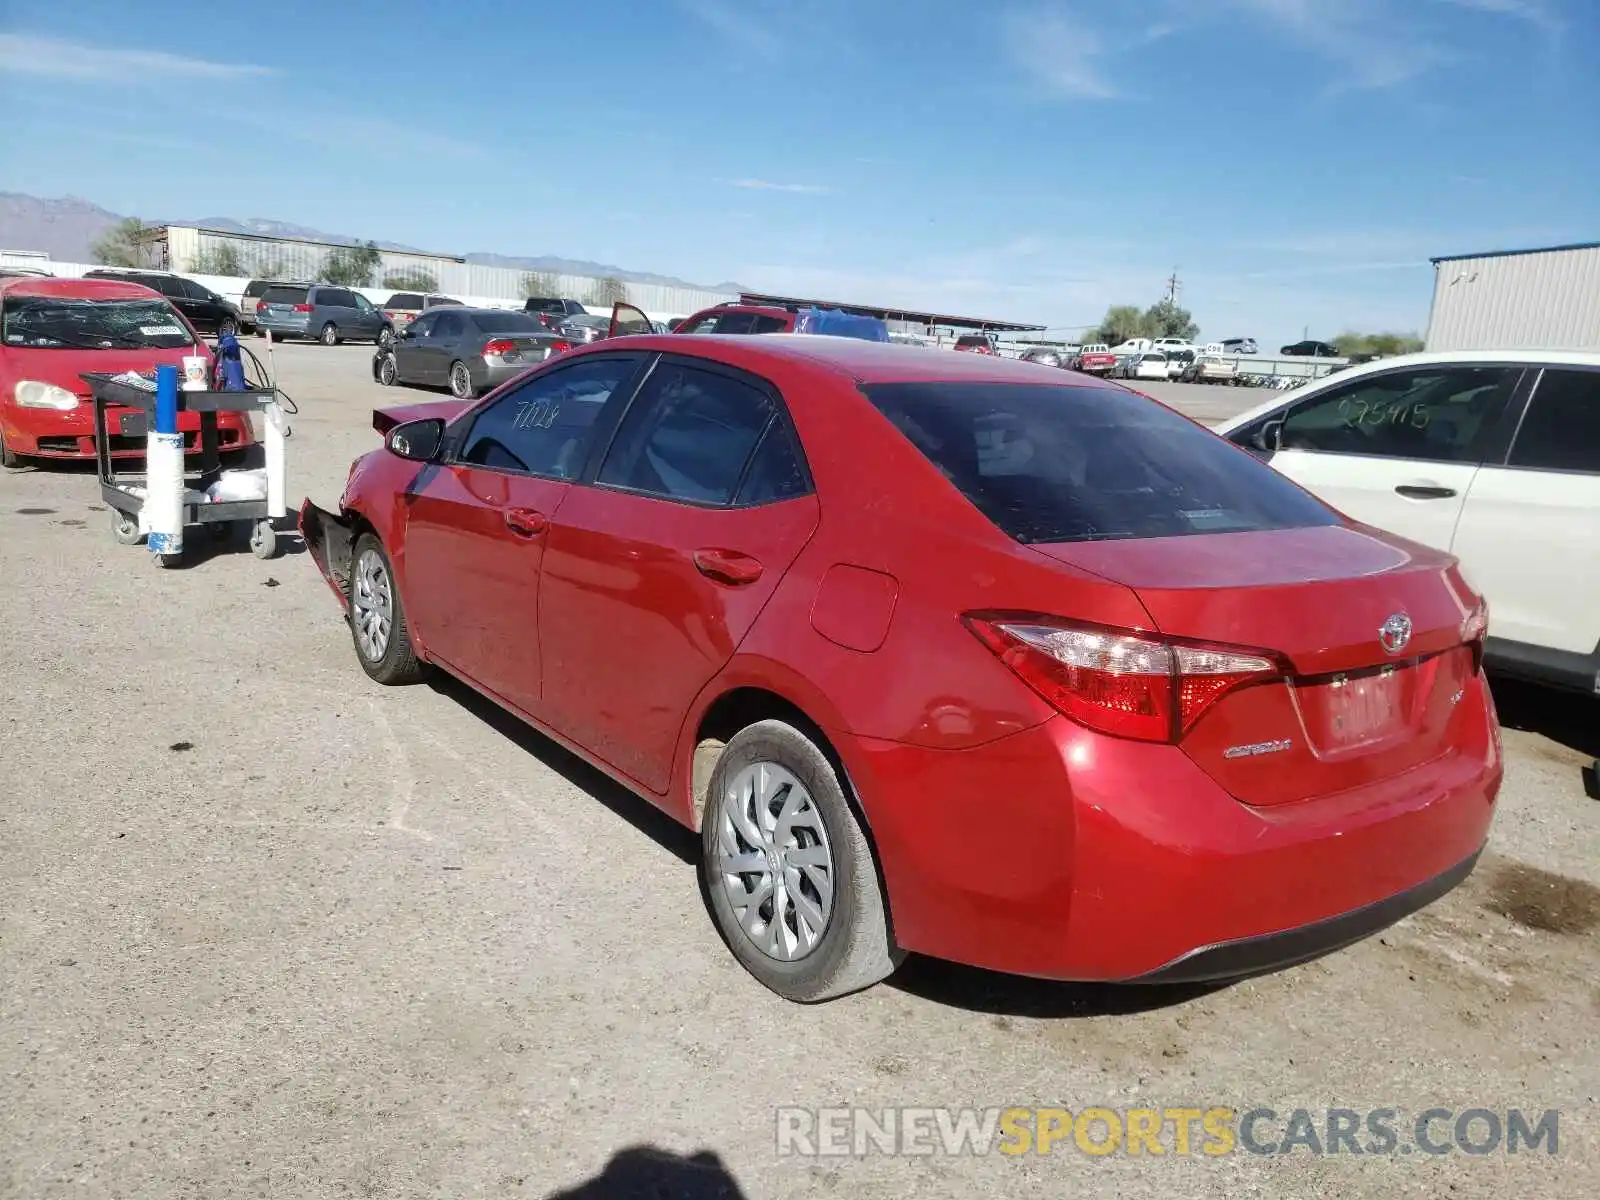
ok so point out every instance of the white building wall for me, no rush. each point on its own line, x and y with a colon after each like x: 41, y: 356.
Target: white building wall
x: 1535, y: 300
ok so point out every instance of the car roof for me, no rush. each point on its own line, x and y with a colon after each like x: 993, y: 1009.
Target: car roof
x: 76, y: 289
x: 1432, y: 358
x: 859, y: 360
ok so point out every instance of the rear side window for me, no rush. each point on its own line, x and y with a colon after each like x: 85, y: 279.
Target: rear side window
x: 688, y: 435
x: 1059, y: 463
x: 449, y: 325
x: 284, y: 295
x: 1561, y: 430
x: 761, y: 323
x: 335, y: 298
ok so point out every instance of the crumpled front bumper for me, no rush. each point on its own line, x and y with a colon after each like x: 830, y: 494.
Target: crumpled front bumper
x: 329, y: 539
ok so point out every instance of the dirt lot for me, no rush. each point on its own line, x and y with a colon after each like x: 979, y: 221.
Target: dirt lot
x: 269, y: 929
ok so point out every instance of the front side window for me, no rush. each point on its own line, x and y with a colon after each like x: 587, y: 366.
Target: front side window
x: 688, y: 435
x: 362, y: 302
x: 1430, y: 414
x: 1062, y: 463
x: 422, y: 327
x: 61, y: 323
x: 1561, y: 429
x: 546, y: 427
x: 704, y: 324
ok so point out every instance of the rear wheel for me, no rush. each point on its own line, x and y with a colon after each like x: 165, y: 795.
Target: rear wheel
x: 330, y: 334
x: 787, y: 868
x: 461, y: 381
x: 386, y: 338
x: 377, y: 619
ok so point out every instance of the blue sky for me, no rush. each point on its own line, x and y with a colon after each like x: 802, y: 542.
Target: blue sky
x: 1296, y: 161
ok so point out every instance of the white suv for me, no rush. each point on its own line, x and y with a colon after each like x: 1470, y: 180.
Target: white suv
x: 1492, y: 455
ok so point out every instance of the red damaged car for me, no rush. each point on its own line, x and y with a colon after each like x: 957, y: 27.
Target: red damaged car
x: 53, y: 330
x: 940, y: 653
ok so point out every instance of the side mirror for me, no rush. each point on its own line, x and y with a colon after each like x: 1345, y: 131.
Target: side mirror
x: 418, y: 441
x: 1269, y: 438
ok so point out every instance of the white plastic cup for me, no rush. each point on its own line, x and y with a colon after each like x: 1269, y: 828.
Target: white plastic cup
x: 194, y: 373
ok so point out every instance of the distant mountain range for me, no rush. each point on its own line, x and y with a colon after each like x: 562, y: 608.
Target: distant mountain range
x: 65, y: 228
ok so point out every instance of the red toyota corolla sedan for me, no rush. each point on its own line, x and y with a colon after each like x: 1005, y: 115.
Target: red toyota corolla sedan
x: 52, y: 330
x: 940, y: 653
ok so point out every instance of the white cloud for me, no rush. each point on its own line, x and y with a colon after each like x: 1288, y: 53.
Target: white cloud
x: 1367, y: 39
x: 1058, y: 53
x: 1545, y: 16
x: 29, y: 54
x: 738, y: 25
x: 766, y: 185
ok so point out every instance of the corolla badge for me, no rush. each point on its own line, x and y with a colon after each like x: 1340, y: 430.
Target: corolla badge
x: 1395, y: 633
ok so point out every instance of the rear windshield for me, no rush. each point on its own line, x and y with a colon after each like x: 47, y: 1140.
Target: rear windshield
x: 1059, y: 463
x: 506, y: 322
x: 972, y: 339
x: 278, y: 294
x: 256, y: 287
x: 536, y: 304
x: 404, y: 300
x: 60, y: 323
x: 438, y: 301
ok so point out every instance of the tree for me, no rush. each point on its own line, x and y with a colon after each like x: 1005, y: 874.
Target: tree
x: 120, y: 245
x: 541, y: 284
x: 1121, y: 322
x: 268, y: 264
x: 1167, y: 319
x: 1380, y: 345
x: 352, y: 266
x: 412, y: 279
x: 222, y: 258
x: 607, y: 291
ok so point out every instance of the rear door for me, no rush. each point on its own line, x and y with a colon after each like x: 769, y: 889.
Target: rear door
x: 1529, y: 535
x: 655, y: 572
x: 1398, y: 449
x: 444, y: 346
x: 477, y: 525
x: 338, y: 307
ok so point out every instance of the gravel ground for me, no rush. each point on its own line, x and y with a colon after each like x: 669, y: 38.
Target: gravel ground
x: 269, y: 929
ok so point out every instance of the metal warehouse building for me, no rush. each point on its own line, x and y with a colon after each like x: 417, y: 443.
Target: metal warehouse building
x: 1546, y: 299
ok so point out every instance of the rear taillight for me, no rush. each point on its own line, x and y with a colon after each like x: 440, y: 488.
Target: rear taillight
x: 560, y: 347
x: 302, y: 308
x: 500, y: 346
x: 257, y: 306
x: 1126, y: 684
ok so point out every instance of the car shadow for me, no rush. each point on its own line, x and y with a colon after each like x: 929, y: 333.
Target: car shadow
x: 1566, y: 718
x: 643, y: 816
x: 977, y: 990
x: 650, y: 1173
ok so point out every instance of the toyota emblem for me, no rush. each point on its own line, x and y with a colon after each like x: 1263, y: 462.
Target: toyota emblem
x: 1395, y: 633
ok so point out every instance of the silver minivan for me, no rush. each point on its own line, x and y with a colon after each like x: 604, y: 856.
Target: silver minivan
x: 322, y: 311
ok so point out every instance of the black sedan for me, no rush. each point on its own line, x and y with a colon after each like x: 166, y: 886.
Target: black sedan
x: 468, y: 350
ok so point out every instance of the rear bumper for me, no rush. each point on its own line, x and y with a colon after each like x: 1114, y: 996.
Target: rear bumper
x: 285, y: 326
x: 491, y: 373
x: 1060, y: 853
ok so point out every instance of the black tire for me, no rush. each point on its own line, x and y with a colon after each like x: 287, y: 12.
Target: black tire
x: 461, y: 381
x: 329, y: 335
x: 398, y: 663
x: 226, y: 326
x: 388, y: 371
x: 386, y: 338
x: 8, y: 459
x: 855, y: 949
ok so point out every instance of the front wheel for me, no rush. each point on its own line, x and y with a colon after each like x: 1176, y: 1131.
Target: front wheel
x: 329, y: 335
x: 8, y: 458
x: 791, y: 878
x: 388, y: 371
x: 461, y: 381
x: 377, y: 618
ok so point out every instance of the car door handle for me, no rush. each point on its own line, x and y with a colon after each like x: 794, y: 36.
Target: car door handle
x: 727, y: 566
x: 1422, y: 491
x: 526, y: 522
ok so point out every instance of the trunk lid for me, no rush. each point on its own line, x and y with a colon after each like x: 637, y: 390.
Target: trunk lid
x: 1352, y: 709
x: 385, y: 419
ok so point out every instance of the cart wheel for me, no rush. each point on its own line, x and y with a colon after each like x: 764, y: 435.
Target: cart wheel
x: 264, y: 540
x: 125, y: 529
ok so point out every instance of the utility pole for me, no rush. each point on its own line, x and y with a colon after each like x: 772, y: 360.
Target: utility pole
x: 1172, y: 287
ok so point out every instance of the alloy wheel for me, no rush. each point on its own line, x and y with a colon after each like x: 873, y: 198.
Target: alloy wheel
x: 372, y: 605
x: 774, y: 861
